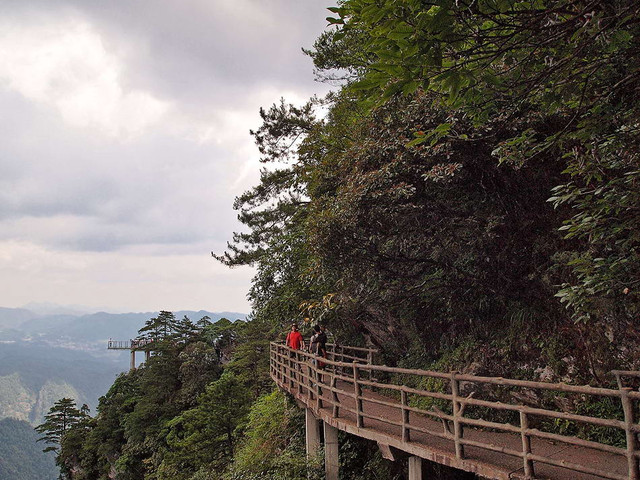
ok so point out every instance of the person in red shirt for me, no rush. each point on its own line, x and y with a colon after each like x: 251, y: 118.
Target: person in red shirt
x: 294, y: 338
x: 295, y: 342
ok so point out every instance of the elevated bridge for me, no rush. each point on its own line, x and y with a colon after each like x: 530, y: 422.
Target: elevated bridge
x: 134, y: 345
x: 538, y: 430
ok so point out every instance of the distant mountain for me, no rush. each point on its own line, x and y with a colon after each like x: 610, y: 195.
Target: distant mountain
x: 21, y: 458
x: 52, y: 352
x: 47, y: 308
x: 14, y: 317
x: 88, y: 332
x: 33, y: 377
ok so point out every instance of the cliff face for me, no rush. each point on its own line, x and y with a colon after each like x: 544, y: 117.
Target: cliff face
x: 20, y: 402
x: 16, y: 401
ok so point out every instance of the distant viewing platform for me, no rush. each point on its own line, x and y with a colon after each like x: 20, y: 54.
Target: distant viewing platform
x: 133, y: 345
x: 129, y: 344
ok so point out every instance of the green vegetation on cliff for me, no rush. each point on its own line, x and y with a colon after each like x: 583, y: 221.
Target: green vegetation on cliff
x: 201, y: 408
x: 474, y: 179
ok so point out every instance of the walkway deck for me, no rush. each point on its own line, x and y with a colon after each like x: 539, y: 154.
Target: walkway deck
x: 354, y: 407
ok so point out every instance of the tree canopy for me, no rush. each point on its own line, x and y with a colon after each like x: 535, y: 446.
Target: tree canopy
x: 475, y: 174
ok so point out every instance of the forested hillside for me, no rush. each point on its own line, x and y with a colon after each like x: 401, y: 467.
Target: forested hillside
x: 467, y: 198
x: 21, y: 458
x: 472, y: 192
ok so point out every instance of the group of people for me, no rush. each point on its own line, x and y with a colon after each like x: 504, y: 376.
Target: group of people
x: 317, y: 342
x: 140, y: 342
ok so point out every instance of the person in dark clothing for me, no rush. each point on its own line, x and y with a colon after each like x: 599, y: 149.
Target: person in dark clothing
x: 318, y: 346
x: 318, y: 343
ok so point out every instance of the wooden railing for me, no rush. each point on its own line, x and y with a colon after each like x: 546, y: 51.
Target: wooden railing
x: 460, y: 400
x: 135, y: 344
x: 119, y: 345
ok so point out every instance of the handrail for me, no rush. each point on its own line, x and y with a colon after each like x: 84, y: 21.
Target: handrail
x: 119, y: 345
x: 296, y: 370
x: 130, y: 344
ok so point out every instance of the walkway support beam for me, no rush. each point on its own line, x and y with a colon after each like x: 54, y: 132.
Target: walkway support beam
x: 132, y: 366
x: 312, y: 433
x: 415, y: 468
x: 331, y: 463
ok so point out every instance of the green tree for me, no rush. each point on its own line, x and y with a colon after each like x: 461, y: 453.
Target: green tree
x: 62, y: 416
x: 185, y: 330
x: 206, y: 434
x: 273, y: 445
x: 160, y: 327
x: 275, y: 212
x: 61, y: 423
x: 250, y: 359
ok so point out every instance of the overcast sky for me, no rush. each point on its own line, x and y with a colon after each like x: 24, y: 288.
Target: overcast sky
x: 124, y: 133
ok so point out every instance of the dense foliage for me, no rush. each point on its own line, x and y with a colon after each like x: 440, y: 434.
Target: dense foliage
x: 475, y: 181
x: 152, y: 417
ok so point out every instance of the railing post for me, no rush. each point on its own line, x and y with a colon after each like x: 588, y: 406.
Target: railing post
x: 290, y: 354
x: 275, y: 360
x: 632, y: 441
x: 300, y: 373
x: 318, y: 377
x: 457, y: 426
x: 526, y: 446
x: 284, y: 357
x: 370, y: 362
x: 334, y: 395
x: 358, y: 395
x: 272, y: 365
x: 406, y: 431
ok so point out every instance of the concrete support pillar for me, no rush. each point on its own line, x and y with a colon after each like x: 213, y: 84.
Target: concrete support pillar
x: 415, y: 468
x: 133, y: 360
x: 331, y: 464
x: 312, y: 433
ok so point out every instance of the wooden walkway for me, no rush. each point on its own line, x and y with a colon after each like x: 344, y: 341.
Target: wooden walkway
x: 447, y: 427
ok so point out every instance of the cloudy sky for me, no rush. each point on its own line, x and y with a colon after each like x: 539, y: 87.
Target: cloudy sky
x: 124, y: 139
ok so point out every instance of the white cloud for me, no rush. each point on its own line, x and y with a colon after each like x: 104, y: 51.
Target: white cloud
x: 64, y: 64
x: 125, y: 137
x: 125, y: 281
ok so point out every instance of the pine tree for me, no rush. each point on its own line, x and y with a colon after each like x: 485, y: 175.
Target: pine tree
x: 160, y: 327
x: 62, y: 416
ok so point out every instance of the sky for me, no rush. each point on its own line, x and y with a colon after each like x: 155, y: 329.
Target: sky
x: 124, y: 138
